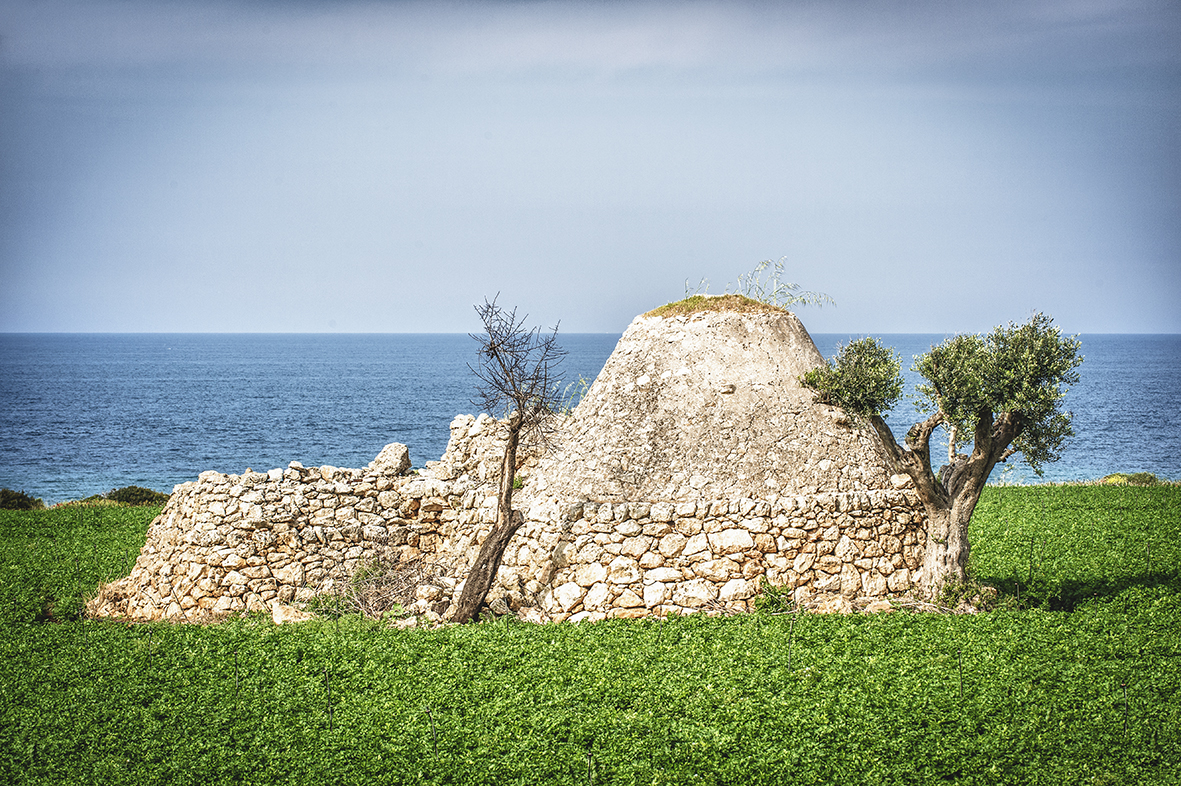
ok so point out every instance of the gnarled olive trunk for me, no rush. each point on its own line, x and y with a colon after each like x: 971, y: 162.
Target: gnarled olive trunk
x: 946, y: 551
x: 949, y: 497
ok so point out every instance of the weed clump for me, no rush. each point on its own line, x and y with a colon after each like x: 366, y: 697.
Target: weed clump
x: 695, y: 304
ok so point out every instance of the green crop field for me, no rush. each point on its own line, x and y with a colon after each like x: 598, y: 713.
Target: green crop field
x: 1075, y: 677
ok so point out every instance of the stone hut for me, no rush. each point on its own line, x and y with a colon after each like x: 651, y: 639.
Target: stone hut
x: 694, y: 468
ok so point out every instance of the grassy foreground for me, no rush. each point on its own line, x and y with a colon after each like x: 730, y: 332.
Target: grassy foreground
x: 1078, y: 681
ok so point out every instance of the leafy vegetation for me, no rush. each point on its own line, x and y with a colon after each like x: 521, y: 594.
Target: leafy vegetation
x: 18, y: 500
x: 1133, y: 479
x: 1078, y: 682
x: 132, y: 495
x: 50, y: 559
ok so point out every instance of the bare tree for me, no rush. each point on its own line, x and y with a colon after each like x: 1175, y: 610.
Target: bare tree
x: 516, y: 368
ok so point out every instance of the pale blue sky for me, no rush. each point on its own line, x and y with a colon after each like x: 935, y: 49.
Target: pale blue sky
x: 380, y: 167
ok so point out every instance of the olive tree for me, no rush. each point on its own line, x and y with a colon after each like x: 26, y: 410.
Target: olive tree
x: 516, y: 371
x: 1001, y: 393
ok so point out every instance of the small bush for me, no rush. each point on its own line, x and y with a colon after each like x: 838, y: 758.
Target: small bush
x: 1134, y: 479
x: 18, y: 500
x: 131, y: 495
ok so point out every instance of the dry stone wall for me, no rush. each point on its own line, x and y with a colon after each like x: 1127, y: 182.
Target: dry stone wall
x: 232, y: 543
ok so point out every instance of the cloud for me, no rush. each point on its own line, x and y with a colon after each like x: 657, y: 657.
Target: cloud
x: 597, y: 39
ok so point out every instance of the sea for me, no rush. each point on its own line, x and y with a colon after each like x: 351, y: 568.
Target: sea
x: 82, y: 414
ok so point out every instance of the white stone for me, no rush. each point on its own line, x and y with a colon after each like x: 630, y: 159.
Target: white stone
x: 655, y: 594
x: 568, y: 596
x: 873, y: 584
x: 899, y: 580
x: 717, y: 570
x: 850, y: 581
x: 597, y: 596
x: 694, y: 593
x: 696, y: 545
x: 623, y: 570
x: 731, y: 541
x: 589, y: 574
x: 663, y: 574
x: 738, y: 589
x: 672, y: 544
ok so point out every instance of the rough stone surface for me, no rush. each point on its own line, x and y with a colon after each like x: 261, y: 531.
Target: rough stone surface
x: 695, y: 467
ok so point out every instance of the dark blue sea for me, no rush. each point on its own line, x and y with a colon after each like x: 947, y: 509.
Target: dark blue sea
x: 85, y: 413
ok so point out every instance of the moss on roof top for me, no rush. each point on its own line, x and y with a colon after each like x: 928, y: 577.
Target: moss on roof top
x: 700, y: 303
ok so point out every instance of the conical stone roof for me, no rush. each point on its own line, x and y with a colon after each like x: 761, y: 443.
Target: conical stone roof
x: 708, y: 406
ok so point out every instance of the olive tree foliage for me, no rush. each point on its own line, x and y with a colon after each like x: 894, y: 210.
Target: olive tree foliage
x: 1000, y: 393
x: 516, y: 370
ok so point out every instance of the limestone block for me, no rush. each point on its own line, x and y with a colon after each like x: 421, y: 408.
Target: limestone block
x: 718, y: 570
x: 873, y: 584
x: 834, y: 605
x: 756, y: 524
x: 694, y: 593
x: 765, y: 542
x: 629, y: 528
x: 850, y: 581
x: 588, y: 574
x: 589, y: 552
x: 731, y: 541
x: 655, y: 594
x: 803, y: 562
x: 394, y: 459
x: 698, y: 544
x: 685, y: 509
x: 293, y: 573
x: 282, y: 614
x: 651, y: 559
x: 845, y: 550
x: 672, y: 545
x: 635, y: 547
x: 232, y: 578
x: 639, y: 511
x: 738, y: 589
x: 827, y: 582
x: 597, y: 596
x: 623, y: 570
x: 662, y: 574
x: 899, y: 580
x: 662, y: 511
x: 628, y: 600
x: 828, y: 563
x: 567, y: 596
x: 622, y: 613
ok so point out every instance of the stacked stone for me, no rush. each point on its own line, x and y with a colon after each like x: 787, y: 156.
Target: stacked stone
x: 635, y: 559
x: 231, y: 543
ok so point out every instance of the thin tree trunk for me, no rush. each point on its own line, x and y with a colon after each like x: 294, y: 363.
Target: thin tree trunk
x: 483, y: 572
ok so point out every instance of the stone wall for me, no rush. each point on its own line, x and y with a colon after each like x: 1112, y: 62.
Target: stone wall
x: 233, y: 543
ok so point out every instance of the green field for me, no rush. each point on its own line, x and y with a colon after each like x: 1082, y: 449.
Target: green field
x: 1075, y: 678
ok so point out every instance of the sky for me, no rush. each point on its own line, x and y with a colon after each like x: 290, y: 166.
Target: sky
x: 933, y: 167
